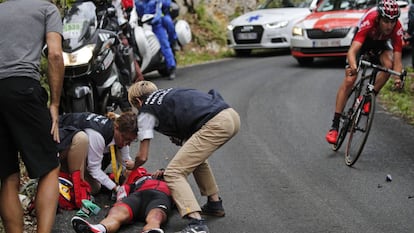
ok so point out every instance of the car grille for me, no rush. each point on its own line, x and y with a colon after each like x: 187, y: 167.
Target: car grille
x: 254, y: 29
x: 320, y: 34
x: 326, y: 50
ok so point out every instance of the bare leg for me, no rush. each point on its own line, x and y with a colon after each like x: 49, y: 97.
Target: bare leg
x: 343, y: 92
x: 214, y: 197
x: 117, y: 216
x: 382, y: 78
x: 154, y: 219
x: 46, y: 201
x: 10, y: 208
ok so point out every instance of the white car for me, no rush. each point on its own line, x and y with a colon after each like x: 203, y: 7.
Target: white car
x: 268, y: 27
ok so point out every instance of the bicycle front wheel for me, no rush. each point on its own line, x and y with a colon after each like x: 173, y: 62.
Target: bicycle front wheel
x: 345, y: 118
x: 360, y: 126
x: 343, y: 130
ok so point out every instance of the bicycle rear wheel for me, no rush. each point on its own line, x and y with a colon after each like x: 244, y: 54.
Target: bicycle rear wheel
x: 360, y: 125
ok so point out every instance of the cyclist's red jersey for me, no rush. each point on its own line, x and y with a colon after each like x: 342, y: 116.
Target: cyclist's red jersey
x: 368, y: 28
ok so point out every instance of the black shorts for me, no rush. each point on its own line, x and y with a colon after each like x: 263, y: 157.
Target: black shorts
x: 374, y: 48
x: 25, y: 125
x: 140, y: 203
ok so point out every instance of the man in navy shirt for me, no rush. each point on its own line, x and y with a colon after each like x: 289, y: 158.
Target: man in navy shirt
x: 199, y: 122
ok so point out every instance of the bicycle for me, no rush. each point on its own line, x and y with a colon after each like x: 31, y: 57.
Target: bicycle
x: 358, y: 114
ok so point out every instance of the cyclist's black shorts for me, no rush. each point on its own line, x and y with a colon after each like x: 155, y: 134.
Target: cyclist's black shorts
x: 141, y: 202
x: 373, y: 49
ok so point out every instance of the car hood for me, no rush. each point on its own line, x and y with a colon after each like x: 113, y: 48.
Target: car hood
x: 332, y: 19
x: 270, y: 16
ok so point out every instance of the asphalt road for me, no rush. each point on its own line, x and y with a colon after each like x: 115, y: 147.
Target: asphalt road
x: 278, y: 175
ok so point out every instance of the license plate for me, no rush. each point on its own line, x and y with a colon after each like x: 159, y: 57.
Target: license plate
x: 247, y: 36
x: 327, y: 43
x: 72, y: 30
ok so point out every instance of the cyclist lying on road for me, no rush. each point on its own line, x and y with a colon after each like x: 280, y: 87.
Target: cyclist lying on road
x: 144, y: 197
x: 377, y: 28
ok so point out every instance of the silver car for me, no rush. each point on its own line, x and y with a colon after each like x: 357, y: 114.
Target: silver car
x: 270, y: 26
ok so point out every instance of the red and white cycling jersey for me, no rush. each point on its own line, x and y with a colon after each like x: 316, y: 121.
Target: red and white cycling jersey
x: 369, y: 28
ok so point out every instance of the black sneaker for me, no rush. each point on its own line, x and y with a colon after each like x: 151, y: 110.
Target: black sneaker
x: 175, y: 46
x: 172, y: 74
x: 82, y: 226
x: 213, y: 208
x: 154, y: 230
x: 196, y: 226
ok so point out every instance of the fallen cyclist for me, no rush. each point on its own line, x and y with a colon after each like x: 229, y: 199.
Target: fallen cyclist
x: 145, y: 197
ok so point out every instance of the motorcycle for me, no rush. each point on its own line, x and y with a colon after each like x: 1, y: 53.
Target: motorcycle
x: 147, y: 48
x: 92, y: 79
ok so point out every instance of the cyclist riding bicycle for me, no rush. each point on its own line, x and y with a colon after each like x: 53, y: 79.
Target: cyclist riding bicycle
x: 380, y: 34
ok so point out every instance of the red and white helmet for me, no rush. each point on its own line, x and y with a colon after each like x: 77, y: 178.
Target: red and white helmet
x: 388, y: 9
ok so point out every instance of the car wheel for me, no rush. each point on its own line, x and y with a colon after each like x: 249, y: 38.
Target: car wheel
x: 305, y: 61
x: 242, y: 52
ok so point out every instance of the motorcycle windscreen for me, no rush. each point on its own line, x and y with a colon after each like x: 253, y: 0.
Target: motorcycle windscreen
x: 79, y: 25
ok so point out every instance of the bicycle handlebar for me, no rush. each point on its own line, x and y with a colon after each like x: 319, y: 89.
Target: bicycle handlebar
x: 401, y: 75
x: 370, y: 64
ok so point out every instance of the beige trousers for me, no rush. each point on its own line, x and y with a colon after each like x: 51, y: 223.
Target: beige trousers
x: 192, y: 158
x: 74, y: 158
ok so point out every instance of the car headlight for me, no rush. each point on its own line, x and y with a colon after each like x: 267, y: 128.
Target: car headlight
x: 230, y: 27
x: 82, y: 56
x: 280, y: 24
x: 297, y: 31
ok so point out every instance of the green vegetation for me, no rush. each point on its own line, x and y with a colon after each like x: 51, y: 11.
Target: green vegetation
x: 400, y: 103
x: 208, y: 28
x: 192, y: 57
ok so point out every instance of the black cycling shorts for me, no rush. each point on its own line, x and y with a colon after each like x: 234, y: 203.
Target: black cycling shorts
x: 140, y: 203
x: 374, y: 48
x: 25, y: 125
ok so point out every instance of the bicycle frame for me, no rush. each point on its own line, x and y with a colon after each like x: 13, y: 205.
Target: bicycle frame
x: 362, y: 77
x: 349, y: 110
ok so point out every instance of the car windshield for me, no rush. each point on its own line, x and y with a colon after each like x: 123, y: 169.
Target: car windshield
x: 334, y: 5
x: 285, y: 3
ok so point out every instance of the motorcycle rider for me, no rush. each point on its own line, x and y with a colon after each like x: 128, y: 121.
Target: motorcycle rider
x: 170, y: 9
x: 155, y: 7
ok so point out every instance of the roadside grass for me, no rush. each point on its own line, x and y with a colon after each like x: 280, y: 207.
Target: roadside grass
x: 197, y: 56
x: 400, y: 103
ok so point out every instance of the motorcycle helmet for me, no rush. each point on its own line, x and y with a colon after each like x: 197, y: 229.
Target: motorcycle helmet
x: 388, y: 9
x: 174, y: 10
x: 183, y: 32
x: 65, y: 186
